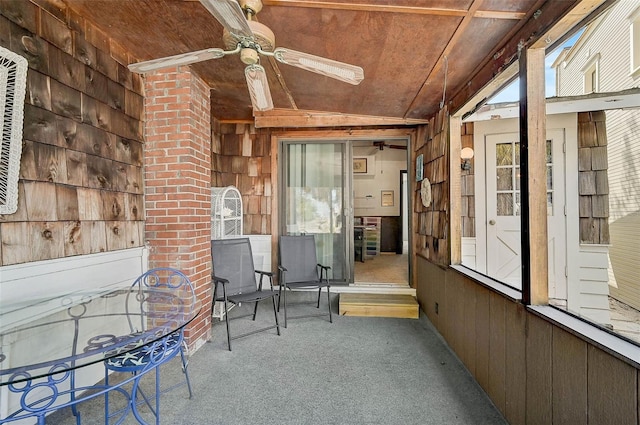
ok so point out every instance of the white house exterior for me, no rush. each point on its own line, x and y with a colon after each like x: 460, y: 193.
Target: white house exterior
x: 606, y: 59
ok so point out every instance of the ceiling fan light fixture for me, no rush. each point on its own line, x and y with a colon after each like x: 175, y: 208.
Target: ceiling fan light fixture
x: 249, y: 56
x: 258, y: 88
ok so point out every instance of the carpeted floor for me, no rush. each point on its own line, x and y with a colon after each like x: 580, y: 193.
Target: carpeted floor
x: 354, y: 371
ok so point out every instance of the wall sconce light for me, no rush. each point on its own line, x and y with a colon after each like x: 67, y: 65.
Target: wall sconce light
x: 466, y: 154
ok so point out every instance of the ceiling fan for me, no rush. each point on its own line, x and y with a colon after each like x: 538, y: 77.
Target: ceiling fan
x: 382, y: 144
x: 251, y: 39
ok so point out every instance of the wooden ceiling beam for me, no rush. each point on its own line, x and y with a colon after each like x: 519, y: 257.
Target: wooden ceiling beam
x: 414, y: 10
x: 280, y: 118
x: 535, y: 29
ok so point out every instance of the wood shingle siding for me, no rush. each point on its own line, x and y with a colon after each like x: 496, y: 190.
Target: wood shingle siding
x: 80, y: 186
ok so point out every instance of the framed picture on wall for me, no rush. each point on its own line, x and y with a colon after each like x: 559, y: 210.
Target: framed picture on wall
x: 386, y: 198
x: 419, y: 167
x: 359, y: 165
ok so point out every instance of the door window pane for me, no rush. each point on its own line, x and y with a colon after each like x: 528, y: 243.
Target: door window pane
x: 314, y: 200
x: 504, y: 178
x: 505, y: 204
x: 504, y: 154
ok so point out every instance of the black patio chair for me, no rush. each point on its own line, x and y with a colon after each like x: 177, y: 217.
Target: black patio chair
x: 234, y: 272
x: 299, y: 269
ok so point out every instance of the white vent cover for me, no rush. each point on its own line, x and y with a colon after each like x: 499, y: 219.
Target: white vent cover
x: 226, y: 212
x: 13, y: 82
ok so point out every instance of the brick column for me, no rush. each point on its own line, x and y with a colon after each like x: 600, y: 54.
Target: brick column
x: 177, y: 183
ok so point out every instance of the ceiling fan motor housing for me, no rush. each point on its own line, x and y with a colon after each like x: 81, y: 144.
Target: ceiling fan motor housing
x: 263, y: 36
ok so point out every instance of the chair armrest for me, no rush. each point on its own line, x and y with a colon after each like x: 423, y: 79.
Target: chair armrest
x: 323, y: 267
x: 262, y: 274
x: 324, y: 271
x: 282, y: 268
x: 219, y: 280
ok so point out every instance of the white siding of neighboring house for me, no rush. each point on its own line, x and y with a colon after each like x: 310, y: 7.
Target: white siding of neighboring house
x: 609, y: 37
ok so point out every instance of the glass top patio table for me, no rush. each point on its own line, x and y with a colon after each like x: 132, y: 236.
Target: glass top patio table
x: 53, y: 336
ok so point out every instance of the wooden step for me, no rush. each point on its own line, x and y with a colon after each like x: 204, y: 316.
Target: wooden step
x: 379, y: 305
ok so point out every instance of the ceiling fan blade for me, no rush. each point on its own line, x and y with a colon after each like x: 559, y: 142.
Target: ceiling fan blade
x: 230, y: 15
x: 341, y: 71
x: 181, y: 59
x: 258, y: 87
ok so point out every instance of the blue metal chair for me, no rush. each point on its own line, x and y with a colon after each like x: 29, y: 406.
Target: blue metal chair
x: 144, y: 314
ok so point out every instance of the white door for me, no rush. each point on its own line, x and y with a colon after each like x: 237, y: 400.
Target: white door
x: 503, y: 210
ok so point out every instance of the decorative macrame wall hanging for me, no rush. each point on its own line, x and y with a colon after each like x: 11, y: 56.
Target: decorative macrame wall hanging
x: 13, y: 81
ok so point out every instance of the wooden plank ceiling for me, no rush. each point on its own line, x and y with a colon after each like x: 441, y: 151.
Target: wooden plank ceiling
x: 414, y: 53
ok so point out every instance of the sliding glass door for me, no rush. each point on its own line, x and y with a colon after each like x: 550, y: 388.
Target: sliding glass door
x: 313, y: 199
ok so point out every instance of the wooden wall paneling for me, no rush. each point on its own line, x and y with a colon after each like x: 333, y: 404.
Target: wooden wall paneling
x: 74, y: 242
x: 253, y: 167
x: 66, y: 202
x: 497, y: 346
x: 469, y: 350
x: 569, y: 394
x: 46, y: 239
x: 67, y: 133
x: 21, y: 212
x: 113, y: 205
x: 94, y: 141
x: 56, y: 31
x: 116, y: 235
x: 612, y: 387
x: 483, y: 338
x: 133, y: 105
x: 96, y: 234
x: 40, y: 201
x: 116, y: 96
x: 100, y: 172
x: 134, y: 178
x: 23, y: 13
x: 452, y: 313
x: 77, y: 168
x: 89, y: 205
x: 44, y: 163
x: 40, y: 125
x: 65, y: 100
x: 239, y: 165
x: 5, y: 32
x: 539, y: 371
x: 67, y: 70
x: 38, y: 90
x: 105, y: 64
x: 83, y: 51
x: 515, y: 369
x: 246, y: 142
x: 31, y: 47
x: 96, y: 85
x: 134, y: 207
x: 16, y: 246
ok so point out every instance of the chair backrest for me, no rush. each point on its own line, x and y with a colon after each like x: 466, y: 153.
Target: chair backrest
x: 298, y: 256
x: 232, y: 259
x: 172, y: 290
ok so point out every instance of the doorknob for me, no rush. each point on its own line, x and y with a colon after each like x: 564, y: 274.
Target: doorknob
x: 492, y: 222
